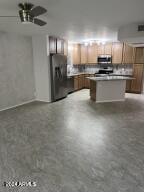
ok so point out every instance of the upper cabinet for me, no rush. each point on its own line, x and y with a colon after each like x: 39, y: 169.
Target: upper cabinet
x: 60, y: 46
x: 128, y: 54
x: 57, y: 45
x: 139, y: 56
x: 117, y: 53
x: 95, y: 50
x: 108, y: 49
x: 76, y: 54
x: 66, y: 48
x: 121, y: 53
x: 92, y: 54
x: 104, y: 49
x: 52, y: 44
x: 84, y: 54
x: 100, y: 49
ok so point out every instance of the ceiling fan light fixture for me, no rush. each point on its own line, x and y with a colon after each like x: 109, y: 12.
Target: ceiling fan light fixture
x: 28, y: 13
x: 25, y: 17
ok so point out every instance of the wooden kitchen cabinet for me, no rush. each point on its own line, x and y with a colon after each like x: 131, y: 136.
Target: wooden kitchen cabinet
x: 56, y: 45
x: 93, y: 90
x: 137, y: 83
x: 108, y: 49
x: 117, y: 53
x: 100, y: 49
x: 84, y: 54
x: 139, y: 55
x: 128, y: 86
x: 92, y: 54
x: 52, y: 44
x: 65, y: 47
x: 86, y: 82
x: 76, y: 83
x: 60, y: 46
x: 81, y: 81
x: 95, y: 50
x: 76, y: 54
x: 128, y: 54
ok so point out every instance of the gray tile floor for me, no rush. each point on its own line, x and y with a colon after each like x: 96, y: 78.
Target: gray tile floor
x: 74, y: 145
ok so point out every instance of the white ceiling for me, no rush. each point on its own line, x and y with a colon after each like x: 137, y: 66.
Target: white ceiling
x: 76, y: 19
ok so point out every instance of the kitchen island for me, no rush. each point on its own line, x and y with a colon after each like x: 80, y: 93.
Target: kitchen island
x: 108, y: 88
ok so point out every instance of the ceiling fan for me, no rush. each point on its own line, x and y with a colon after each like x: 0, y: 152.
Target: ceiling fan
x: 28, y: 13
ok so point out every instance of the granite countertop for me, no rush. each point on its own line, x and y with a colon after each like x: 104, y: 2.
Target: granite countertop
x: 110, y: 78
x: 80, y: 73
x: 94, y: 73
x: 116, y: 74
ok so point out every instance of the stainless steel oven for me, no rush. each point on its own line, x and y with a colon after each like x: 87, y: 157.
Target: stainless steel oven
x: 104, y: 59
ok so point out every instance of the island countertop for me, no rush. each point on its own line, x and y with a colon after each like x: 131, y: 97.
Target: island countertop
x: 110, y: 78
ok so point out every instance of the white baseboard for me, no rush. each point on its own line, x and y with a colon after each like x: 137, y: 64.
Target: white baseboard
x: 43, y: 101
x: 110, y: 101
x: 15, y: 106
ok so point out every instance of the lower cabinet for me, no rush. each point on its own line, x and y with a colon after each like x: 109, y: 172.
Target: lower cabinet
x: 132, y: 86
x: 81, y: 81
x: 78, y: 82
x: 128, y: 86
x: 87, y: 81
x: 93, y: 90
x: 136, y: 85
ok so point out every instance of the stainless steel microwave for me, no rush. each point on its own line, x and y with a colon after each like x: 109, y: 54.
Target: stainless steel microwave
x: 104, y: 59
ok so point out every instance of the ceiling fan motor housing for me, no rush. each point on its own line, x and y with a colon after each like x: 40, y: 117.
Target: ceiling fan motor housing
x: 25, y: 16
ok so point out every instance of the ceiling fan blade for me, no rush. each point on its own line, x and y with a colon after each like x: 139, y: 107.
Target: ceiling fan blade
x: 36, y: 11
x: 39, y: 22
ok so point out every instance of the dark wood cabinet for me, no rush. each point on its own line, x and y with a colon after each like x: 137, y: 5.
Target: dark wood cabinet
x: 93, y: 90
x: 81, y: 81
x: 60, y: 46
x: 56, y: 45
x: 87, y: 81
x: 139, y: 56
x: 78, y: 82
x: 128, y: 86
x: 52, y: 44
x: 137, y: 83
x: 128, y: 54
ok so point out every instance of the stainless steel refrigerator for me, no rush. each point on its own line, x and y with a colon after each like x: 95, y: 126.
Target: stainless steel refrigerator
x: 58, y: 65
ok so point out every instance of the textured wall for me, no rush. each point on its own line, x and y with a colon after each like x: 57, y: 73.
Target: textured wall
x: 16, y: 70
x: 41, y: 67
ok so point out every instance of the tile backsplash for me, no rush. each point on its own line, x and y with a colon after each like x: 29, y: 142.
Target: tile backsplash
x: 126, y: 69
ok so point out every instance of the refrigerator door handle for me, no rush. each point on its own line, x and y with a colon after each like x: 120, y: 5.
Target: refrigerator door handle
x: 57, y: 72
x: 60, y: 73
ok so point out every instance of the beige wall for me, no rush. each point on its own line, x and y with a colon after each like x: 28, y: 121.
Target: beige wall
x: 16, y: 70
